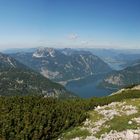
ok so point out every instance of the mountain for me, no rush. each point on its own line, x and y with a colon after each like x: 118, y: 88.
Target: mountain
x: 125, y: 77
x: 9, y: 62
x: 16, y: 50
x: 132, y: 63
x: 63, y: 65
x: 17, y: 79
x: 117, y: 59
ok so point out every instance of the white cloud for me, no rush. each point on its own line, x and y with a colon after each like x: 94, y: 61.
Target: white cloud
x: 73, y: 36
x: 85, y: 42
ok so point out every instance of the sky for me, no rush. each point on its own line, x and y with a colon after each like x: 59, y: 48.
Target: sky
x: 70, y: 23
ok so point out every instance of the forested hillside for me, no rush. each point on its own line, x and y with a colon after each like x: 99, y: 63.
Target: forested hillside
x: 17, y: 79
x: 39, y: 118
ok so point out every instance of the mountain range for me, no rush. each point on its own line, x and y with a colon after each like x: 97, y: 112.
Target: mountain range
x: 122, y: 78
x: 117, y: 59
x: 18, y: 79
x: 78, y: 70
x: 63, y: 65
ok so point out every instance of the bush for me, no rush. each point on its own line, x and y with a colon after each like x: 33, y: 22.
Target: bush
x: 38, y: 118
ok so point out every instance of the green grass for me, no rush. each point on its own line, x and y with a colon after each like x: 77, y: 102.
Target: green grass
x: 94, y: 116
x: 118, y: 123
x: 134, y: 102
x: 76, y: 132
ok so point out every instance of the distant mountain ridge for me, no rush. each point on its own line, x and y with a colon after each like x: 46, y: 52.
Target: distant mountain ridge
x: 63, y: 64
x: 122, y: 78
x: 9, y: 62
x: 17, y: 79
x: 117, y: 59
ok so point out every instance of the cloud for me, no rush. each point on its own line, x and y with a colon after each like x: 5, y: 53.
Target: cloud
x: 73, y: 36
x: 85, y: 42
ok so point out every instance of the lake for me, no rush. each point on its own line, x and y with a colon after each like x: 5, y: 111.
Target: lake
x: 87, y: 88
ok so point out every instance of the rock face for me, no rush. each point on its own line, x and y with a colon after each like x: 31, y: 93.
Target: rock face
x: 115, y: 80
x: 63, y: 65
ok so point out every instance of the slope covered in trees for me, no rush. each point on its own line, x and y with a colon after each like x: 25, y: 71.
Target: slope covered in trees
x: 39, y: 118
x: 36, y: 117
x: 17, y: 79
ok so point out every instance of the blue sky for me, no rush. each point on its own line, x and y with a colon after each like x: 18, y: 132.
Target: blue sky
x: 70, y: 23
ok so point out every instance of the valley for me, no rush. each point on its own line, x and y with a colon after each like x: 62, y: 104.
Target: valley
x: 94, y: 71
x: 69, y: 69
x: 67, y: 94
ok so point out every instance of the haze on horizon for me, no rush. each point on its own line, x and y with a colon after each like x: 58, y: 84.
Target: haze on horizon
x: 70, y: 23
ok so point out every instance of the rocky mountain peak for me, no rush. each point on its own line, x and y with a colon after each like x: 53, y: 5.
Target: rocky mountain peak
x: 44, y: 52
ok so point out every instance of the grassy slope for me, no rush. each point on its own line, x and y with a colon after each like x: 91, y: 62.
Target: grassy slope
x: 118, y: 123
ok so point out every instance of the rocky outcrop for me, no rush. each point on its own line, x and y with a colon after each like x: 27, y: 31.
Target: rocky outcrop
x: 101, y: 128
